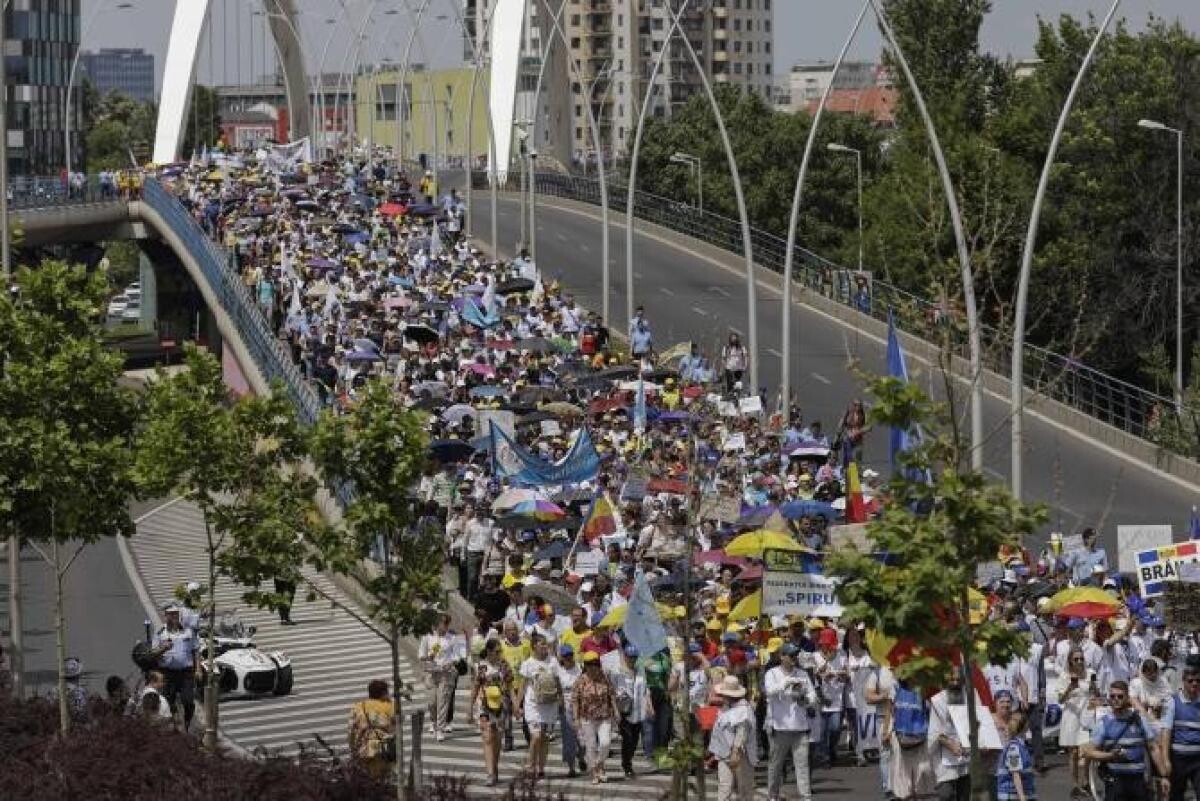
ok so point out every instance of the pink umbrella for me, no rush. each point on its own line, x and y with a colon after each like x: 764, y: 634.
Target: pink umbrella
x: 396, y: 303
x: 483, y: 369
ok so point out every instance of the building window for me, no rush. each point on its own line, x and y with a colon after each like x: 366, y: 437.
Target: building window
x: 737, y: 47
x: 737, y: 68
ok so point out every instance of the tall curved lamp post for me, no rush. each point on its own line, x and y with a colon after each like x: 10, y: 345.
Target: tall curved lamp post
x: 1017, y: 377
x: 351, y: 59
x: 103, y: 5
x: 401, y: 93
x: 1152, y: 125
x: 785, y: 383
x: 964, y: 255
x: 594, y: 128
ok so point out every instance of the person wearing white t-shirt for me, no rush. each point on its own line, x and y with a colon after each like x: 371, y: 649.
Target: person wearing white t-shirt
x: 951, y: 757
x: 568, y: 672
x: 791, y: 702
x: 539, y: 704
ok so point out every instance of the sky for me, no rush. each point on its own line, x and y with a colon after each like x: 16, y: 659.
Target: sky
x: 805, y: 30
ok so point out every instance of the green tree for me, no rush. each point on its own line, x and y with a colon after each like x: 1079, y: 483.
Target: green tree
x: 115, y: 127
x: 922, y: 594
x: 203, y: 128
x: 379, y: 449
x: 65, y: 426
x: 236, y: 459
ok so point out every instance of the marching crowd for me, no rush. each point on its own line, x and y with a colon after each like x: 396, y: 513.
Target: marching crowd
x: 584, y: 482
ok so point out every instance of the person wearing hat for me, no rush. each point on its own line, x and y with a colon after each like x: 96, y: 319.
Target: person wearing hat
x: 539, y: 704
x: 633, y: 703
x: 594, y: 709
x: 491, y: 700
x: 791, y: 704
x: 439, y: 652
x: 177, y: 649
x: 569, y: 671
x: 734, y: 744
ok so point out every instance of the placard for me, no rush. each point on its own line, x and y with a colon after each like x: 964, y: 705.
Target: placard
x: 989, y: 736
x: 725, y: 508
x: 1157, y: 567
x: 735, y: 442
x: 789, y: 593
x: 587, y: 563
x: 636, y: 484
x: 750, y: 405
x: 988, y: 572
x: 551, y: 428
x: 1072, y: 542
x: 1131, y: 539
x: 611, y: 662
x: 850, y: 535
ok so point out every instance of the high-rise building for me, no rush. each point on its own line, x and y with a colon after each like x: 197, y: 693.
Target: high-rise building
x: 124, y: 70
x: 614, y: 44
x: 42, y: 38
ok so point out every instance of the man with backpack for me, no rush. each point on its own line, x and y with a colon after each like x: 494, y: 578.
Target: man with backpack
x: 1121, y: 744
x: 907, y: 731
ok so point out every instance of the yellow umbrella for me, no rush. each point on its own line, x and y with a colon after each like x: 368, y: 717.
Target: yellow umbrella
x: 616, y: 616
x: 748, y: 608
x: 753, y: 543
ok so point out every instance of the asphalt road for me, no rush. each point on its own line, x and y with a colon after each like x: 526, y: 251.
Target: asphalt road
x: 687, y: 296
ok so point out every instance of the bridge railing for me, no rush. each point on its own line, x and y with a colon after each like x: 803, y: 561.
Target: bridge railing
x: 219, y: 268
x: 1062, y: 378
x: 34, y: 193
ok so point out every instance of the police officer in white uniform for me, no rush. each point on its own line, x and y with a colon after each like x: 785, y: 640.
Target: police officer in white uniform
x: 177, y: 648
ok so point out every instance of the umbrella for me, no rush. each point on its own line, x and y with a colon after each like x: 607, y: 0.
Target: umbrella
x: 616, y: 616
x: 1080, y: 595
x: 748, y: 608
x: 618, y: 373
x: 535, y: 345
x: 535, y: 394
x: 515, y: 285
x: 396, y: 303
x: 539, y: 509
x: 437, y: 388
x: 364, y: 356
x: 421, y: 333
x: 345, y: 228
x: 533, y: 418
x: 457, y: 412
x: 422, y: 210
x: 659, y: 376
x: 562, y: 409
x: 486, y: 391
x: 750, y: 573
x: 307, y: 205
x: 1089, y: 610
x: 718, y: 557
x: 793, y: 510
x: 434, y: 305
x: 392, y: 209
x: 513, y: 496
x: 555, y: 550
x: 366, y: 344
x: 428, y: 403
x: 756, y: 516
x: 483, y: 369
x: 451, y: 450
x: 753, y: 543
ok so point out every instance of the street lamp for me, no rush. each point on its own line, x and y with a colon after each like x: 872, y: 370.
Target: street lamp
x: 71, y: 78
x: 836, y: 148
x: 693, y: 161
x: 1151, y: 125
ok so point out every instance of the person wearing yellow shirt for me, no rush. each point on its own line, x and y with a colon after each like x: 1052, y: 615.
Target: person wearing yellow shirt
x: 515, y: 650
x: 670, y: 395
x: 578, y: 630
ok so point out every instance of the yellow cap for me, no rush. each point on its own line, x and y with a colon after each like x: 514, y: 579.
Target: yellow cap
x: 713, y: 625
x: 774, y: 644
x: 589, y: 656
x: 734, y: 628
x: 816, y: 623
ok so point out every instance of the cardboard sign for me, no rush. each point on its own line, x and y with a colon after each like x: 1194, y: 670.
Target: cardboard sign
x: 750, y: 405
x: 988, y: 572
x: 735, y: 442
x: 989, y: 736
x: 722, y: 508
x: 1132, y: 539
x: 867, y: 717
x: 850, y: 535
x: 1072, y: 542
x: 551, y: 428
x: 587, y: 563
x: 1157, y: 567
x: 636, y: 484
x: 611, y: 662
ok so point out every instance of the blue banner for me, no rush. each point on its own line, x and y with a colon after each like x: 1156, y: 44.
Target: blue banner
x: 516, y: 464
x: 476, y: 317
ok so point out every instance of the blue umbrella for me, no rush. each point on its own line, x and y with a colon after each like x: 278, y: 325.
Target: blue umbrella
x: 487, y: 391
x: 555, y: 550
x: 793, y: 510
x: 451, y: 450
x: 364, y: 356
x: 756, y: 516
x: 366, y: 345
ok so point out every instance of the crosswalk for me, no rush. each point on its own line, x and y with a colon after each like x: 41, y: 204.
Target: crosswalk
x: 333, y: 657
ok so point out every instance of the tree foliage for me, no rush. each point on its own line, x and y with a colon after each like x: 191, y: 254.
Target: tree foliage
x: 65, y: 425
x: 116, y: 125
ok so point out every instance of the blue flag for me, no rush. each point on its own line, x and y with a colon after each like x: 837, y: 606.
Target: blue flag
x: 523, y: 468
x: 639, y: 407
x: 643, y: 626
x: 900, y: 439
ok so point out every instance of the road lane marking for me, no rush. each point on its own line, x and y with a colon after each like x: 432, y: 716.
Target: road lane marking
x: 666, y: 291
x: 699, y: 311
x: 719, y: 291
x: 775, y: 353
x: 821, y: 378
x: 560, y: 236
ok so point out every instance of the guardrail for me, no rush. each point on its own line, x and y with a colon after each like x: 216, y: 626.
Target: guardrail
x: 1062, y: 378
x: 34, y: 193
x: 219, y: 268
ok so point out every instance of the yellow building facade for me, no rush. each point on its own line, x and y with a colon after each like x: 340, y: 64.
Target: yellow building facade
x: 434, y: 116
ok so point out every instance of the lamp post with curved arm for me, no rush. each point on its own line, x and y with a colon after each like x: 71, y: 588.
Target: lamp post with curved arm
x: 785, y: 373
x: 1017, y: 377
x: 351, y: 58
x: 403, y: 78
x: 71, y: 77
x: 960, y: 239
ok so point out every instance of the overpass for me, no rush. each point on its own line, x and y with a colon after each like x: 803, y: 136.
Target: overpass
x: 1086, y: 455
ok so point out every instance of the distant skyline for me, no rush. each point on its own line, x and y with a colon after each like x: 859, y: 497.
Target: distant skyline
x: 805, y: 30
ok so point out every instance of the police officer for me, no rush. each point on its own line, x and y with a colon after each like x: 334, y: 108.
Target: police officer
x: 1121, y: 744
x: 77, y: 703
x: 177, y: 648
x: 1179, y: 733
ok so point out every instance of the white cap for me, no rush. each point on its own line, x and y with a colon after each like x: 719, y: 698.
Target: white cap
x: 1010, y: 576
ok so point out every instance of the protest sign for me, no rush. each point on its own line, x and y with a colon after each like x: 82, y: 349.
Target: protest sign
x: 1190, y: 573
x: 587, y: 563
x: 787, y: 590
x: 989, y: 736
x: 551, y: 428
x: 611, y: 662
x: 850, y: 535
x: 735, y: 442
x: 988, y: 572
x: 1157, y: 567
x: 1072, y: 542
x: 866, y: 717
x: 1132, y: 539
x: 750, y: 405
x: 722, y: 508
x: 636, y: 484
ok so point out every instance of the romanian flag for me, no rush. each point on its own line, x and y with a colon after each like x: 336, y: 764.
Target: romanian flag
x: 856, y: 509
x: 601, y: 519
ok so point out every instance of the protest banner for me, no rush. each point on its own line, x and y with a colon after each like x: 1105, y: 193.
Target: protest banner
x: 636, y: 485
x: 587, y: 563
x: 787, y: 590
x: 989, y: 735
x: 866, y: 717
x: 551, y: 428
x: 1132, y: 539
x: 1157, y: 567
x: 725, y: 508
x: 735, y: 442
x: 750, y: 405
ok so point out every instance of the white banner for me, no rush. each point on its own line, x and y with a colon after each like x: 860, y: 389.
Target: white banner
x: 788, y: 593
x: 1131, y: 539
x: 285, y: 158
x: 587, y: 563
x: 1157, y: 566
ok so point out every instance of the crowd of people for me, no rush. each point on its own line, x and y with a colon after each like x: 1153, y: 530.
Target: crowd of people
x: 574, y: 473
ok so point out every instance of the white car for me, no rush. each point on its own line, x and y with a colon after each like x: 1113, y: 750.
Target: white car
x: 117, y: 306
x: 132, y: 311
